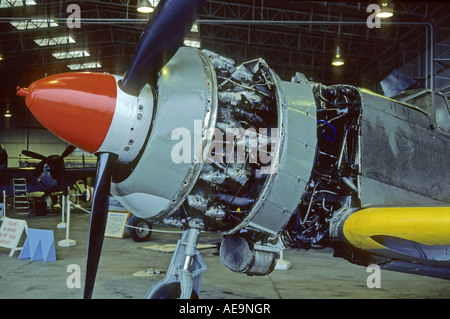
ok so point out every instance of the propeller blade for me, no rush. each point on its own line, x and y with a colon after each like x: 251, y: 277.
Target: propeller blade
x: 162, y: 37
x: 68, y: 151
x: 34, y: 155
x: 99, y: 214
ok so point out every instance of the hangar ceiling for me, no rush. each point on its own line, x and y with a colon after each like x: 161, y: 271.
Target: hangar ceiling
x: 292, y: 36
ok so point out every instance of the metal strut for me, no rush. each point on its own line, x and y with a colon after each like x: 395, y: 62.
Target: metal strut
x: 184, y: 275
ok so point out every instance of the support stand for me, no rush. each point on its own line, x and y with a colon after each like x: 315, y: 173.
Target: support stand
x: 67, y: 242
x: 62, y: 224
x: 183, y: 277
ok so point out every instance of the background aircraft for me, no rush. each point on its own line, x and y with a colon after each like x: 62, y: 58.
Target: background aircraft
x: 49, y: 176
x: 365, y: 174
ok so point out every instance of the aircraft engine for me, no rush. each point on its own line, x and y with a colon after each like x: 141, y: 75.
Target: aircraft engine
x: 233, y: 149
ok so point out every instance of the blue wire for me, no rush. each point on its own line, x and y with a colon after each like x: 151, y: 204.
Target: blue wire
x: 326, y: 135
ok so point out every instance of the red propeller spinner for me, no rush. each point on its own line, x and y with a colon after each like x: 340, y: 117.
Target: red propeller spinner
x: 77, y: 107
x: 90, y: 111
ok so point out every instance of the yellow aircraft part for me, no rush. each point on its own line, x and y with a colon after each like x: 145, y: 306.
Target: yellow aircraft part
x: 425, y: 225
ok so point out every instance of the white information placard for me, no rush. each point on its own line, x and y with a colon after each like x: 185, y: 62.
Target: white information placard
x: 115, y: 225
x: 10, y: 234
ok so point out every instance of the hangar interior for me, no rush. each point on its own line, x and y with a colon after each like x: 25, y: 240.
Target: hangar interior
x: 111, y: 29
x: 41, y: 38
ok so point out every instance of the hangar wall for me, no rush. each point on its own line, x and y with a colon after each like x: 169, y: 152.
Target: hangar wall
x: 23, y: 132
x: 415, y: 67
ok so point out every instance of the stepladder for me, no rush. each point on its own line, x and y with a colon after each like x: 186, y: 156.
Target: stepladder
x: 21, y: 203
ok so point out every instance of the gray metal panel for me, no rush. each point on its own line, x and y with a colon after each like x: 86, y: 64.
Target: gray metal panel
x: 273, y: 214
x: 296, y: 160
x: 376, y: 193
x: 402, y: 161
x: 270, y: 218
x: 180, y: 104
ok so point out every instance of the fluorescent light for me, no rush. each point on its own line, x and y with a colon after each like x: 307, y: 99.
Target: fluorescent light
x: 192, y: 43
x: 34, y: 24
x: 16, y: 3
x: 7, y: 114
x: 71, y: 54
x: 54, y: 41
x: 145, y: 9
x: 147, y: 6
x: 337, y: 62
x: 387, y: 10
x: 81, y: 66
x: 144, y: 6
x: 385, y: 14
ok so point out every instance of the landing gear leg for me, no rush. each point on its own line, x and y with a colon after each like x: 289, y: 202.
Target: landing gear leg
x: 185, y: 271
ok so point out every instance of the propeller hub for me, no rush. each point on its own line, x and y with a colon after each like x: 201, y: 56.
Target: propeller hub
x: 77, y: 107
x: 91, y: 112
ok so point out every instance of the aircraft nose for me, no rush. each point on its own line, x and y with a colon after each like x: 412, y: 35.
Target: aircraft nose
x: 91, y: 112
x: 78, y: 107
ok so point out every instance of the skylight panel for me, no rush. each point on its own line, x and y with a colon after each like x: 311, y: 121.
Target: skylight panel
x: 71, y: 54
x: 82, y: 66
x: 34, y: 24
x: 54, y: 41
x: 16, y: 3
x: 194, y: 28
x: 192, y: 43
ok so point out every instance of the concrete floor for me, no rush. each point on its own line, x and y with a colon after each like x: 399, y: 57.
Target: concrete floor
x: 314, y: 274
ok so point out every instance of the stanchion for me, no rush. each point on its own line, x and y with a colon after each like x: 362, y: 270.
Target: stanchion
x: 62, y: 224
x: 67, y: 242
